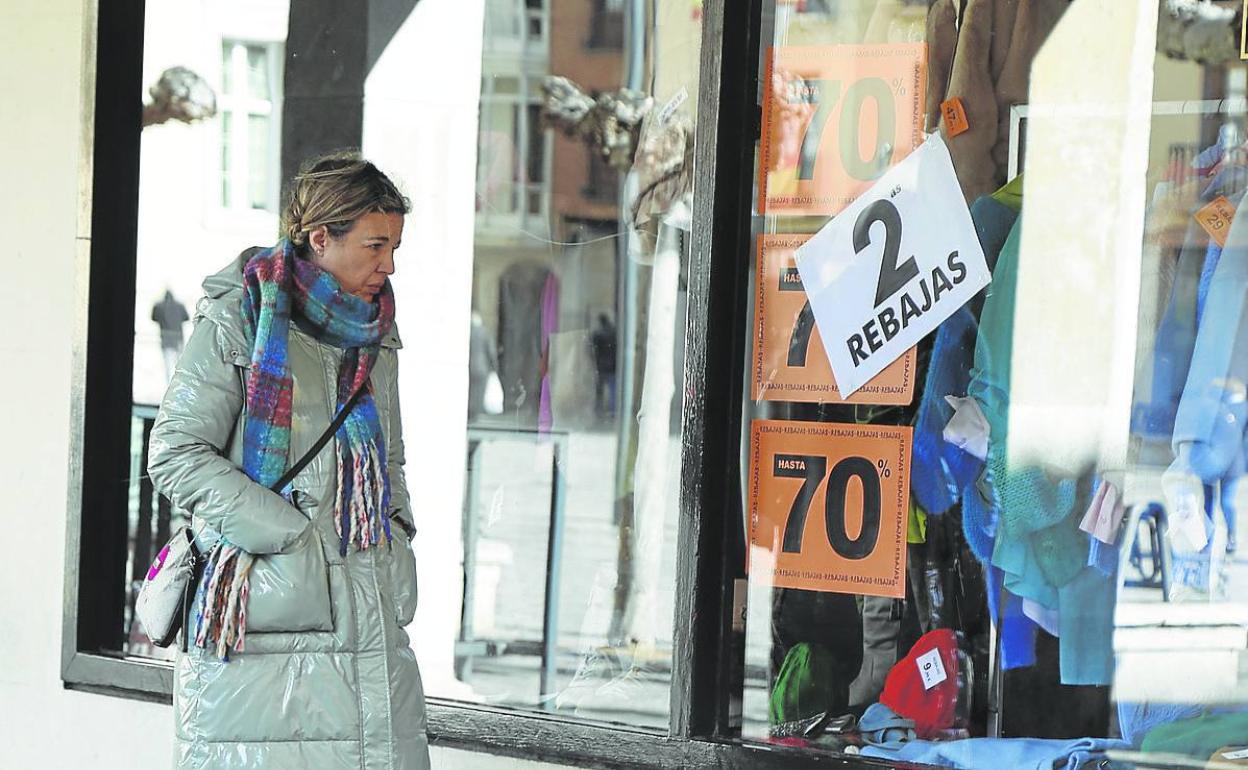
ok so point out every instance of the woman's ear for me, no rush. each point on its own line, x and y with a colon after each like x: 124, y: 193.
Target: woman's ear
x: 318, y: 239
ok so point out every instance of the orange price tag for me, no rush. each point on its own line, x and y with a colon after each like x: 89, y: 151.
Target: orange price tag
x: 828, y: 505
x: 835, y: 118
x: 1216, y: 218
x: 789, y: 360
x: 954, y: 114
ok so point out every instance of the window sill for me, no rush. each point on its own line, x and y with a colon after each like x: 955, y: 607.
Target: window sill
x: 527, y: 735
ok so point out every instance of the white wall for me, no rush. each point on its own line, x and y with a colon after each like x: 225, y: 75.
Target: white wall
x: 42, y: 724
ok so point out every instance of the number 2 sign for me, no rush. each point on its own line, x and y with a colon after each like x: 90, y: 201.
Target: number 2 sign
x: 835, y: 118
x: 828, y: 505
x: 790, y: 363
x: 892, y: 266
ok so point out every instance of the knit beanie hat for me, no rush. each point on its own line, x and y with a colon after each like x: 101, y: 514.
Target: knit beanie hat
x: 923, y: 686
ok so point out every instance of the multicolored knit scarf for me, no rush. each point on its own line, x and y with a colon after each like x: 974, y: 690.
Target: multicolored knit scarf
x: 277, y: 285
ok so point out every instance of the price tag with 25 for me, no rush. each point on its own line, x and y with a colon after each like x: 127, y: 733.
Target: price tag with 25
x: 828, y: 505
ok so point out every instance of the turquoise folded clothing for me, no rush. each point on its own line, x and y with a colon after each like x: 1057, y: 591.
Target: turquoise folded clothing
x: 1199, y: 736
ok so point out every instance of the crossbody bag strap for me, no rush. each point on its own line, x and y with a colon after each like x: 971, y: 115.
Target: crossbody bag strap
x: 293, y: 471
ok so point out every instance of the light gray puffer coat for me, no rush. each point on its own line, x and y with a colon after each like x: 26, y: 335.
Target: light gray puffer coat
x: 327, y: 679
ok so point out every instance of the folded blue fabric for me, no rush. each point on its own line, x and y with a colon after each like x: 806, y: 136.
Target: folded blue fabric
x: 1000, y: 753
x: 1135, y: 720
x: 883, y: 727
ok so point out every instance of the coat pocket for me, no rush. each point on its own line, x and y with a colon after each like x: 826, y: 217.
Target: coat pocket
x: 289, y: 591
x: 402, y: 568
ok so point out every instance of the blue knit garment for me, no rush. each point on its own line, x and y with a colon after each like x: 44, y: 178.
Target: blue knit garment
x: 941, y: 471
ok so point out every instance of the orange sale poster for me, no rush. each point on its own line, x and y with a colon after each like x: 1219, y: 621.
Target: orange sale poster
x: 835, y: 118
x: 789, y: 361
x: 828, y: 504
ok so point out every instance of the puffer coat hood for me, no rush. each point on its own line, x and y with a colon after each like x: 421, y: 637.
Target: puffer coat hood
x: 327, y: 678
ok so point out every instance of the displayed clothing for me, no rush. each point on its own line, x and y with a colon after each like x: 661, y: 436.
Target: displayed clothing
x: 916, y: 523
x: 1211, y: 411
x: 940, y: 471
x: 888, y: 631
x: 1086, y: 633
x: 1038, y: 544
x: 983, y: 58
x: 803, y: 687
x: 923, y: 686
x: 1199, y: 736
x: 1104, y: 515
x: 1136, y: 720
x: 881, y: 726
x: 1175, y: 339
x: 1017, y: 631
x: 1013, y: 753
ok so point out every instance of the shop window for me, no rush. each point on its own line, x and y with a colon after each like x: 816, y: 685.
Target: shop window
x: 547, y: 436
x: 1060, y: 556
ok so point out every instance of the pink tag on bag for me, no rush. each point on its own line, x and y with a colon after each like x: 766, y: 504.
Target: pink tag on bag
x: 160, y: 562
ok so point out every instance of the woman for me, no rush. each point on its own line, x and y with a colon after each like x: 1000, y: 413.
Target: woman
x: 297, y: 654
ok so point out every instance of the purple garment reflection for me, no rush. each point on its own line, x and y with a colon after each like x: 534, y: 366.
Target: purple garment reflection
x: 550, y: 327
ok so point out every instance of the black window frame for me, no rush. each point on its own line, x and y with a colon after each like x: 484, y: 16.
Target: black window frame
x: 708, y: 658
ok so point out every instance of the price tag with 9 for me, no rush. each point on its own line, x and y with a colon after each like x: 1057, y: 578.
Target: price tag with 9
x: 835, y: 118
x: 828, y: 505
x: 790, y: 363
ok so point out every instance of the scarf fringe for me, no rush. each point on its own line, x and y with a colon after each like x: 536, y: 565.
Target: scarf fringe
x: 360, y: 518
x: 221, y: 620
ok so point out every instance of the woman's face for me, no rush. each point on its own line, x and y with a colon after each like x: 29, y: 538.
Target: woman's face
x: 362, y: 259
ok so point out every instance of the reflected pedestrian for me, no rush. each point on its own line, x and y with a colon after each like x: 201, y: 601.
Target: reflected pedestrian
x: 169, y: 315
x: 603, y: 342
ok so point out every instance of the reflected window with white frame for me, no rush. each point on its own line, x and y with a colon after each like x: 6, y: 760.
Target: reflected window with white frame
x: 250, y: 107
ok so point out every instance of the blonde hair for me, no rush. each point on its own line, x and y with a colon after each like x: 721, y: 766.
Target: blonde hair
x: 333, y: 191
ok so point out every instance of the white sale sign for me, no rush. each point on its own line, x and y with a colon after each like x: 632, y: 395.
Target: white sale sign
x: 892, y: 266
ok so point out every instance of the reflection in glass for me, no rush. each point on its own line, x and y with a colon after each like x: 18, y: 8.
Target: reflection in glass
x: 555, y: 571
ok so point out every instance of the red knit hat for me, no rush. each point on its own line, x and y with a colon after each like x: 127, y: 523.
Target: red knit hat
x: 923, y: 686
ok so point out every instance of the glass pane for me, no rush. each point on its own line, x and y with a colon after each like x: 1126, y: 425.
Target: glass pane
x: 560, y: 460
x: 257, y: 72
x: 544, y: 361
x: 227, y: 129
x: 206, y: 182
x: 536, y: 155
x: 997, y: 527
x: 502, y: 21
x: 259, y: 161
x: 496, y: 159
x: 505, y: 85
x: 227, y: 67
